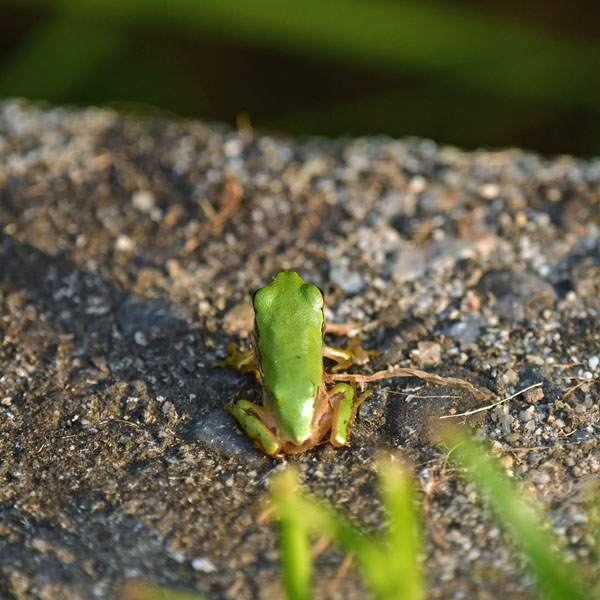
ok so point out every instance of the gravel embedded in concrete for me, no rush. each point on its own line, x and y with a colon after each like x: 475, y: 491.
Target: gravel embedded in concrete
x: 128, y: 251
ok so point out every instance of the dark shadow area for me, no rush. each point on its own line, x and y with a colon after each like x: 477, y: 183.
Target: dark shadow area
x: 118, y: 342
x: 79, y: 553
x: 106, y: 415
x: 111, y: 329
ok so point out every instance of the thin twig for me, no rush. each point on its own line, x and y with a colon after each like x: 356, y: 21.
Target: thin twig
x: 476, y: 410
x: 350, y: 328
x: 117, y: 420
x: 334, y: 584
x: 231, y: 198
x: 413, y: 395
x: 401, y: 372
x: 320, y: 546
x: 576, y: 387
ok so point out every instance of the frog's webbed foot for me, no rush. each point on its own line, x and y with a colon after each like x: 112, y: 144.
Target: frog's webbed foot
x: 354, y: 354
x: 242, y: 360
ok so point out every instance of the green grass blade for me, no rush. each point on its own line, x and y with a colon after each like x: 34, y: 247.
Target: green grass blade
x: 296, y: 562
x: 396, y: 578
x: 404, y: 532
x: 295, y: 559
x: 294, y: 508
x: 555, y: 579
x: 596, y: 521
x: 448, y: 41
x: 58, y: 57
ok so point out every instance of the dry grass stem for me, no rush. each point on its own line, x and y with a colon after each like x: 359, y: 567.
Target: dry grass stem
x: 402, y: 372
x: 482, y: 408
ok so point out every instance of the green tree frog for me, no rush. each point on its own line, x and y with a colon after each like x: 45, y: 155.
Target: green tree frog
x: 301, y: 406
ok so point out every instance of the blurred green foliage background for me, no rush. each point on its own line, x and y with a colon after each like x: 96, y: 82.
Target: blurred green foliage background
x: 489, y: 73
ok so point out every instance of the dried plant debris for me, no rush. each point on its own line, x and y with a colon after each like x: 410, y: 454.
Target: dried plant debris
x: 128, y: 250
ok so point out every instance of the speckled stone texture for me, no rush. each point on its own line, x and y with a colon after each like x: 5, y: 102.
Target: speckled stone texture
x: 128, y: 251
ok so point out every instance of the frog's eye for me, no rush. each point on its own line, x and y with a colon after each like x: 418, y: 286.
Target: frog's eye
x: 313, y: 295
x: 262, y: 299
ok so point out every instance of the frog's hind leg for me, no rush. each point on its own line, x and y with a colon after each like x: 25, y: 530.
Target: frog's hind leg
x: 345, y: 405
x: 255, y: 421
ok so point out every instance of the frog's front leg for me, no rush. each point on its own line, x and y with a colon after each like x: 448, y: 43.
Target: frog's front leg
x: 345, y: 403
x: 242, y: 360
x: 253, y: 420
x: 354, y: 354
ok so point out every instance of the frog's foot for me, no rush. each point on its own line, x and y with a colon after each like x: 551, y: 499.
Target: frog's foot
x: 242, y: 360
x: 253, y: 419
x: 354, y: 354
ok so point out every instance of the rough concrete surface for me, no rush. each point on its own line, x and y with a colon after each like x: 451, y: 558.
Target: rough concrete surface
x: 128, y: 252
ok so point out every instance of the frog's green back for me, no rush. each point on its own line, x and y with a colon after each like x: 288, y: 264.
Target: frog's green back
x: 289, y: 326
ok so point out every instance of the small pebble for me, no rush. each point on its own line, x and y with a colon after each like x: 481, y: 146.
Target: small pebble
x: 143, y: 200
x: 204, y: 565
x: 510, y: 377
x: 140, y: 338
x: 168, y: 407
x: 489, y: 190
x: 527, y: 414
x: 124, y: 244
x: 540, y: 477
x: 233, y: 147
x: 534, y: 395
x: 428, y: 354
x: 536, y: 360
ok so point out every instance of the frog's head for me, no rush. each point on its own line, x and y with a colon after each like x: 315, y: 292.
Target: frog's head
x: 287, y: 286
